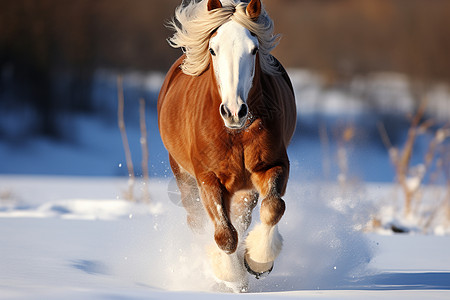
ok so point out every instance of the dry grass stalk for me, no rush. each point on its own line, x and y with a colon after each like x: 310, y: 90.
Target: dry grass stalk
x: 144, y: 147
x: 442, y: 166
x: 410, y: 185
x: 411, y: 179
x: 120, y: 117
x: 401, y: 159
x: 325, y: 142
x: 446, y: 171
x: 344, y: 140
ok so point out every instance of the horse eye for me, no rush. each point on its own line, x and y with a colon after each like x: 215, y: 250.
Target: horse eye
x: 212, y: 52
x: 254, y: 51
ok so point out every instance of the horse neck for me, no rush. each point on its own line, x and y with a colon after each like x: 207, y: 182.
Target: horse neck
x: 255, y: 94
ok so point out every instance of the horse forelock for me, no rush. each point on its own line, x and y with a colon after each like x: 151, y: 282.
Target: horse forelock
x: 194, y: 25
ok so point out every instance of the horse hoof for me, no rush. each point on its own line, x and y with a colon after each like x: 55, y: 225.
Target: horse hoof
x: 259, y: 270
x: 226, y: 239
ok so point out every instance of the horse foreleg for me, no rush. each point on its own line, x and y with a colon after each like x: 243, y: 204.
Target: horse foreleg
x: 242, y: 205
x: 216, y: 201
x: 190, y: 197
x: 226, y: 262
x: 264, y: 242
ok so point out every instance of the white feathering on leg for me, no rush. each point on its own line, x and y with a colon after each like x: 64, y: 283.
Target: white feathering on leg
x: 264, y: 243
x: 227, y: 267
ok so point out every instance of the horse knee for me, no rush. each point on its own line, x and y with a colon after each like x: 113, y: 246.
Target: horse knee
x: 272, y: 209
x: 242, y: 206
x: 226, y: 238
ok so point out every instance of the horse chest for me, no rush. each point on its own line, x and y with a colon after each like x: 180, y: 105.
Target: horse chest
x: 236, y: 157
x: 226, y: 159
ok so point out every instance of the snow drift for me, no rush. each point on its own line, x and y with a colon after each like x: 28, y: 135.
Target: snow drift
x: 151, y: 245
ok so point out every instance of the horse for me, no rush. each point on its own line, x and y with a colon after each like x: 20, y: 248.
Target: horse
x: 226, y: 114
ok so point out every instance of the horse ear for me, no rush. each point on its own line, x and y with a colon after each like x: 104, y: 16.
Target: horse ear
x: 254, y: 9
x: 214, y: 4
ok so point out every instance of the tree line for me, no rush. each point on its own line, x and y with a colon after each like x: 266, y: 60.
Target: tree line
x: 48, y: 41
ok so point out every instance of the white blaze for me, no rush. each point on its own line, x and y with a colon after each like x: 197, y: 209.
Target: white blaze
x: 233, y: 57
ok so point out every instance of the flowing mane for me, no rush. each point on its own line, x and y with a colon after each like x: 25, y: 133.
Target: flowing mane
x: 194, y: 24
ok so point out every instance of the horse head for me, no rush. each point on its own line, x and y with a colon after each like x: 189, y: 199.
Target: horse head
x: 233, y: 49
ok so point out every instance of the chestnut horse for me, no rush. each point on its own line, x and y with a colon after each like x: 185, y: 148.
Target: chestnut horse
x: 226, y: 115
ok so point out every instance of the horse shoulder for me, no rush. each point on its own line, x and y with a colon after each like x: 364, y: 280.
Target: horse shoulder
x: 169, y: 107
x: 184, y: 110
x: 270, y: 134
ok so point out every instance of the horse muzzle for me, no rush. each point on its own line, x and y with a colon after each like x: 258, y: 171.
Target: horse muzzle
x: 234, y: 120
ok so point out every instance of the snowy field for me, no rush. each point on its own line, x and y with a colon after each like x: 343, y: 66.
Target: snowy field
x: 75, y: 238
x: 68, y: 233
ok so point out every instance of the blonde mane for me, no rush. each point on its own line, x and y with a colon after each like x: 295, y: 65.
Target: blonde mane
x: 194, y: 24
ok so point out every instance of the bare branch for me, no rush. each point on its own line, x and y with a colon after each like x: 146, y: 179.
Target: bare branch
x: 144, y: 146
x: 123, y: 133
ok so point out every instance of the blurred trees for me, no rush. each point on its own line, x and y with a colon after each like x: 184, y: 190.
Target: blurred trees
x: 49, y: 49
x: 351, y: 37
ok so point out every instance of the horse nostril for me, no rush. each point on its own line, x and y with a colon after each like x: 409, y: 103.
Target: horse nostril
x: 243, y: 111
x: 224, y: 111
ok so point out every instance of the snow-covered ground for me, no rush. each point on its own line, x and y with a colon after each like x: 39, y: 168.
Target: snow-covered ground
x: 67, y: 233
x: 76, y: 238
